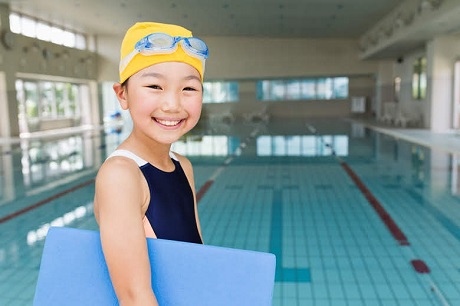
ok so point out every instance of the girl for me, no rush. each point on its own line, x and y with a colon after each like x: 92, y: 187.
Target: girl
x: 143, y: 189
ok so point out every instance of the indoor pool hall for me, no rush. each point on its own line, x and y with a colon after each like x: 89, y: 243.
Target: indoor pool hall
x: 319, y: 140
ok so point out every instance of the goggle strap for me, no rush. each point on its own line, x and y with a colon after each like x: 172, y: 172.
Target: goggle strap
x: 127, y: 59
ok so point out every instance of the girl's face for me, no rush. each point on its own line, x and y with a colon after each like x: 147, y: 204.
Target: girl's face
x: 164, y: 100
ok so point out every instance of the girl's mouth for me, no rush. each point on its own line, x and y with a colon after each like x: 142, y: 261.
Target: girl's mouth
x: 168, y: 122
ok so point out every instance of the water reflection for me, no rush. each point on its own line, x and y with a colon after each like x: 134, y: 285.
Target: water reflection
x: 210, y: 145
x: 67, y: 219
x: 302, y: 145
x: 35, y: 165
x: 43, y: 161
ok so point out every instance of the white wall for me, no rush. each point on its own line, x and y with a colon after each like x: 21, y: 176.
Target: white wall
x: 384, y: 85
x: 108, y: 48
x: 442, y: 52
x: 234, y: 57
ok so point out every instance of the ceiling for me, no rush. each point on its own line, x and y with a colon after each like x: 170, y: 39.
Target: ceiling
x: 254, y: 18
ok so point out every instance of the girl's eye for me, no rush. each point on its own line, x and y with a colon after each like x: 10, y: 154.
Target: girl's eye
x: 189, y: 89
x: 154, y: 86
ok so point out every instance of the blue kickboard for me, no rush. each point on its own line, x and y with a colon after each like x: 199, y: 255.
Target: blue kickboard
x: 73, y: 272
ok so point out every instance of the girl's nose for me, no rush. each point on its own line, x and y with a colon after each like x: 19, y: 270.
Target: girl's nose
x: 171, y: 103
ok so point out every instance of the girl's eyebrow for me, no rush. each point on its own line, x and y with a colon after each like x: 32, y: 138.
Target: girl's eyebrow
x: 192, y: 77
x: 152, y: 74
x: 159, y: 75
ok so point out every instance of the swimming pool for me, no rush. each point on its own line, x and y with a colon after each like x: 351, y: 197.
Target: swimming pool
x: 355, y: 217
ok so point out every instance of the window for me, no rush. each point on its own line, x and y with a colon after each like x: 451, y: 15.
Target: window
x: 324, y: 89
x: 340, y: 88
x: 220, y: 92
x: 30, y: 93
x: 28, y: 26
x: 31, y: 27
x: 397, y: 88
x: 43, y: 32
x: 46, y: 100
x: 15, y: 23
x: 419, y: 79
x: 303, y: 89
x: 57, y: 35
x: 308, y: 89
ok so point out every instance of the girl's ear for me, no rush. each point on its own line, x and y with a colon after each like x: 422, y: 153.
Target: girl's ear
x: 121, y: 91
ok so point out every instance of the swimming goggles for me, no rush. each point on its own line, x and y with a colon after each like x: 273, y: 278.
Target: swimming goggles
x: 162, y: 43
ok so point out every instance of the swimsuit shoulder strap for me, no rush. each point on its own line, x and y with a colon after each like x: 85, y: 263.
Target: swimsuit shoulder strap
x: 125, y: 153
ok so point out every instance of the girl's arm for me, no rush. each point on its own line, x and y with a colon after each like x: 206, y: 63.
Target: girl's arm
x: 119, y: 197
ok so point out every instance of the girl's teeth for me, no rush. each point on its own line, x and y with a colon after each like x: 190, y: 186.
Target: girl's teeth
x: 168, y: 122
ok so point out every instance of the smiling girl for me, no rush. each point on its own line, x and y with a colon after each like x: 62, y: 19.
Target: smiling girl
x: 143, y: 189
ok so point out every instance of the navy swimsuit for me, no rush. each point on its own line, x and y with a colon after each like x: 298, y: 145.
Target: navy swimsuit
x: 171, y: 210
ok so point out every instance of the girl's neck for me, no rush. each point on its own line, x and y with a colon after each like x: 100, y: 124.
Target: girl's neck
x: 153, y: 152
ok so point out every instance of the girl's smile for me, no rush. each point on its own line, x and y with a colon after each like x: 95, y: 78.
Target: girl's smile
x: 168, y: 122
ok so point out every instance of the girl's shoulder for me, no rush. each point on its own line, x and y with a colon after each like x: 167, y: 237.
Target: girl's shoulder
x: 119, y: 167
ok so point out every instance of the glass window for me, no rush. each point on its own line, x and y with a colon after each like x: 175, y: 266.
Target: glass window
x: 68, y: 39
x: 423, y: 78
x: 308, y: 89
x: 340, y: 90
x: 262, y: 90
x: 47, y: 109
x: 293, y: 90
x: 31, y: 99
x: 303, y: 89
x: 80, y: 41
x: 277, y: 90
x: 61, y: 99
x: 397, y: 88
x: 46, y: 99
x: 28, y: 27
x: 419, y: 81
x: 220, y: 92
x: 57, y: 35
x: 43, y: 31
x: 73, y: 99
x: 15, y: 23
x: 415, y: 85
x: 324, y: 88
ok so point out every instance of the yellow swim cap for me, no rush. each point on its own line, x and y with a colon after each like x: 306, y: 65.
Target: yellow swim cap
x: 140, y: 61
